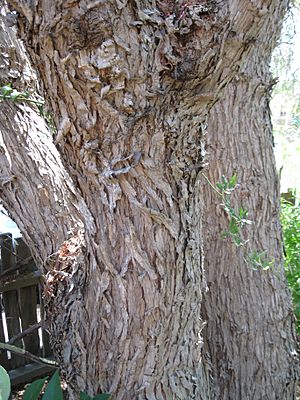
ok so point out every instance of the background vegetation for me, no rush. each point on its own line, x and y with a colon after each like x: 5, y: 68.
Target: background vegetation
x: 290, y: 220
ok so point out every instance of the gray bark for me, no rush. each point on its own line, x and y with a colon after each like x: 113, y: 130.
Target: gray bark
x: 34, y: 185
x: 248, y: 311
x: 130, y: 85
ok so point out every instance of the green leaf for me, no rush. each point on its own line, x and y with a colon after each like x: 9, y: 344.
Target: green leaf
x: 26, y: 94
x: 224, y: 181
x: 220, y: 186
x: 53, y: 389
x: 15, y: 95
x: 4, y: 384
x: 103, y: 396
x: 225, y: 235
x: 238, y: 241
x: 6, y: 90
x: 84, y: 396
x: 243, y: 213
x: 33, y: 391
x: 232, y: 181
x: 233, y: 227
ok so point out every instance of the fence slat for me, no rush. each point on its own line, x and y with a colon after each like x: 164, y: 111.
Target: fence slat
x: 10, y: 299
x: 47, y: 351
x: 3, y: 355
x: 29, y: 279
x: 28, y: 373
x: 20, y: 291
x: 28, y: 302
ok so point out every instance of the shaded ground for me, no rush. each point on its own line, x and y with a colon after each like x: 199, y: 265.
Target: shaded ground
x: 18, y: 394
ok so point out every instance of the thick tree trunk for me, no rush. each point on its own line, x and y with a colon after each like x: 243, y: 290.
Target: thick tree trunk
x: 123, y: 302
x: 130, y: 85
x: 248, y: 311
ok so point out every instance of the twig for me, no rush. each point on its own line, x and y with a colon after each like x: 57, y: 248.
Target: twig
x: 25, y: 353
x: 25, y: 333
x: 211, y: 185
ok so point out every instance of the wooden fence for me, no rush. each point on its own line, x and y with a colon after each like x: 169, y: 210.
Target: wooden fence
x: 21, y: 307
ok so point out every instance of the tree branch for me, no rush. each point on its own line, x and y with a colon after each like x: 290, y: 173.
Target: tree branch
x: 25, y: 332
x: 26, y: 145
x: 27, y: 354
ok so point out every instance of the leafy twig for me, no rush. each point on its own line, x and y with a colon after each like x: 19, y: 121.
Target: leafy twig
x: 259, y: 260
x: 237, y: 220
x: 9, y: 93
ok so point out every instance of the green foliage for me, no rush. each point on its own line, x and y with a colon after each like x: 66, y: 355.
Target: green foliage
x: 290, y: 221
x: 34, y: 389
x: 238, y: 218
x: 53, y: 389
x: 9, y: 93
x: 4, y: 384
x: 259, y: 260
x: 84, y: 396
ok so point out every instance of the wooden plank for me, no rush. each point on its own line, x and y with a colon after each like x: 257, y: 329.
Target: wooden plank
x: 28, y: 306
x: 28, y: 373
x: 28, y: 302
x: 47, y: 351
x: 23, y: 253
x: 20, y: 281
x: 10, y: 299
x: 3, y: 355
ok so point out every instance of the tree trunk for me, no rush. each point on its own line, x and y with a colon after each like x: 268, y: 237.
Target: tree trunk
x: 248, y: 311
x: 130, y: 85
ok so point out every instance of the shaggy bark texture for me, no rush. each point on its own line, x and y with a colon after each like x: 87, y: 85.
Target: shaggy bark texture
x: 130, y: 85
x: 34, y: 185
x: 248, y: 311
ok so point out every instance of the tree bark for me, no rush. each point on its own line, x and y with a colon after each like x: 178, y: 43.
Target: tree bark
x: 248, y: 311
x: 34, y: 185
x: 130, y: 85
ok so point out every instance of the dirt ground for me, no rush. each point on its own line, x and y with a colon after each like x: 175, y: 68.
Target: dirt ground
x: 17, y: 395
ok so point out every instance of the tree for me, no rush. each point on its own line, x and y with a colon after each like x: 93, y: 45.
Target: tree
x: 112, y: 202
x: 247, y: 308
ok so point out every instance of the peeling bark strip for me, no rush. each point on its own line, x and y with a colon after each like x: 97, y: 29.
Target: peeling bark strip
x: 130, y: 84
